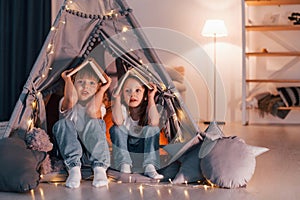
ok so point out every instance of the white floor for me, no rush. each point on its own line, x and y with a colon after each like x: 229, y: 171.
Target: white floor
x: 277, y: 174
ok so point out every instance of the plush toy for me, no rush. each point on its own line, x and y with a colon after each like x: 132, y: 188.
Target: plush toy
x: 37, y: 139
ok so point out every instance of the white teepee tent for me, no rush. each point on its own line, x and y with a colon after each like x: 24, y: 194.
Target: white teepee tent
x: 107, y: 31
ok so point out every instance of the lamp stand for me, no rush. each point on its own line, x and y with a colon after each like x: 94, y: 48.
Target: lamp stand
x: 215, y: 88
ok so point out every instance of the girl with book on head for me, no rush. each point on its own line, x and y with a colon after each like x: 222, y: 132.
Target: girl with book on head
x: 81, y: 126
x: 135, y: 130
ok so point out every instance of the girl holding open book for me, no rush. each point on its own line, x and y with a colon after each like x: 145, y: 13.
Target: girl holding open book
x: 135, y: 132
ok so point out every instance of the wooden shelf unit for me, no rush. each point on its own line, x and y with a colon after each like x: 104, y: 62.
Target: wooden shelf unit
x: 247, y: 28
x: 273, y: 80
x: 295, y: 53
x: 289, y: 108
x: 272, y: 27
x: 271, y: 2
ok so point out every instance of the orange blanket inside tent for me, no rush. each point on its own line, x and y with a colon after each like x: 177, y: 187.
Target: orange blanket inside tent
x: 108, y: 120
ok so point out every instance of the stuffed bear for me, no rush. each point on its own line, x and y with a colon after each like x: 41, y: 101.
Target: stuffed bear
x: 38, y: 139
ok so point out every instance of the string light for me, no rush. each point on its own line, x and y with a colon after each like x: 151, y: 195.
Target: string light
x: 124, y: 38
x: 110, y: 13
x: 124, y: 29
x: 49, y: 46
x: 30, y: 124
x: 185, y: 183
x: 34, y: 104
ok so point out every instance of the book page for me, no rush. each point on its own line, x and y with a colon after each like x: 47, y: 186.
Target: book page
x: 135, y: 73
x: 94, y: 65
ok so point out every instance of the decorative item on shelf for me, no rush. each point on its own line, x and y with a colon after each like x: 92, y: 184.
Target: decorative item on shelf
x: 295, y: 17
x: 214, y: 28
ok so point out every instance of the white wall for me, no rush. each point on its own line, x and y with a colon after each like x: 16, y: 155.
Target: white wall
x: 187, y: 18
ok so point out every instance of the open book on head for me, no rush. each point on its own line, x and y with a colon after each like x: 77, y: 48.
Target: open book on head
x: 132, y: 73
x: 91, y: 62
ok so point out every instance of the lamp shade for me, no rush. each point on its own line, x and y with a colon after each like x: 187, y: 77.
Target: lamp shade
x: 214, y: 28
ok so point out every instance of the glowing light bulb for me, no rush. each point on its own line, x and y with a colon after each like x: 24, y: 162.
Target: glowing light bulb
x: 29, y: 123
x: 49, y: 46
x: 205, y: 187
x: 124, y: 29
x: 33, y: 104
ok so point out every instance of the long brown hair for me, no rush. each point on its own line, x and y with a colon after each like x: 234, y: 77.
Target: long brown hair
x: 143, y: 117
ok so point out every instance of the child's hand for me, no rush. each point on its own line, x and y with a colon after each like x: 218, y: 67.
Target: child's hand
x: 65, y: 76
x: 151, y: 93
x: 115, y: 94
x: 106, y: 85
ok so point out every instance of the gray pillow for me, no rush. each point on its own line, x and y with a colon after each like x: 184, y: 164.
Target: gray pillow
x: 290, y: 95
x: 19, y: 168
x: 189, y: 170
x: 231, y: 162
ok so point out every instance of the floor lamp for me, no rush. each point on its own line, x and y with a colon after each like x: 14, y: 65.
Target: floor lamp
x: 214, y: 28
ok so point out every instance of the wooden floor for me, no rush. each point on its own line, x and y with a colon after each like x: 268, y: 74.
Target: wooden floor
x: 277, y: 174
